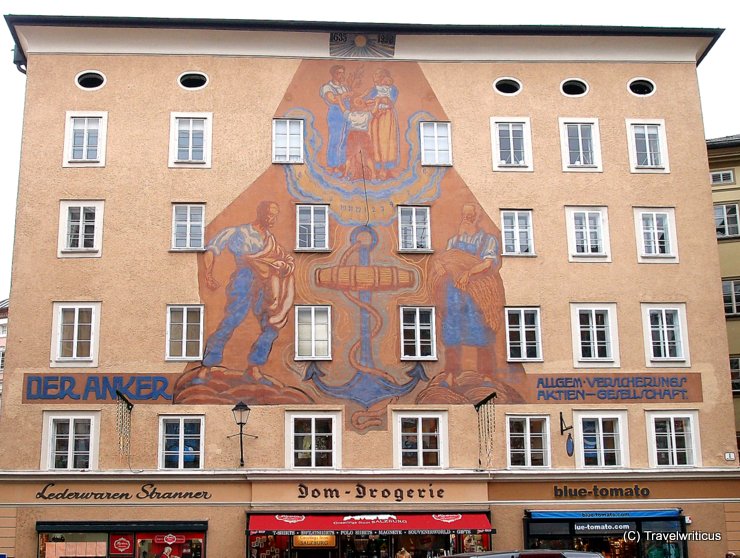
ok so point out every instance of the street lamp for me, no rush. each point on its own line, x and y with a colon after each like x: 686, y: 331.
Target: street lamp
x: 241, y: 414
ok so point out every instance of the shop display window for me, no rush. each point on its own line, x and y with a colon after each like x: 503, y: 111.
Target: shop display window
x: 73, y: 545
x: 170, y: 545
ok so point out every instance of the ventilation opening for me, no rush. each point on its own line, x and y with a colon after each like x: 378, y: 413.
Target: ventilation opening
x: 507, y: 86
x: 574, y: 87
x: 642, y: 87
x: 90, y: 80
x: 193, y: 80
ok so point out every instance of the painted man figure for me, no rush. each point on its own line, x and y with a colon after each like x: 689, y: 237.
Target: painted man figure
x: 262, y: 282
x: 336, y: 96
x: 472, y: 292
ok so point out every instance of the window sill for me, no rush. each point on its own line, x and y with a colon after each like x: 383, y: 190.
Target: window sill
x: 539, y: 359
x: 183, y: 359
x: 587, y: 257
x: 72, y: 251
x: 196, y: 250
x: 584, y: 167
x: 658, y: 257
x: 317, y: 250
x: 74, y: 162
x: 415, y: 251
x: 274, y: 162
x: 415, y: 358
x: 729, y: 237
x: 520, y: 254
x: 423, y: 164
x: 318, y: 358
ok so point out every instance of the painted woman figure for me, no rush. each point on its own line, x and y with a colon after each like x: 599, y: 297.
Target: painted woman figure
x: 384, y: 127
x: 335, y: 94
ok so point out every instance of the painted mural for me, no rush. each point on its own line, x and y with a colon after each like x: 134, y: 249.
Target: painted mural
x: 363, y: 158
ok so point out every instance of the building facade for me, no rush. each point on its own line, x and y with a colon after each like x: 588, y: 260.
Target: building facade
x: 4, y: 306
x: 360, y: 291
x: 724, y: 161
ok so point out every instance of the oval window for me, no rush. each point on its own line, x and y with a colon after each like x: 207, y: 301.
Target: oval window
x: 507, y: 86
x: 574, y: 87
x: 641, y: 87
x: 193, y: 80
x: 90, y: 79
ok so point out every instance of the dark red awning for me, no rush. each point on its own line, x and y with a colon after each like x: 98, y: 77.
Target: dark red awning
x: 370, y: 523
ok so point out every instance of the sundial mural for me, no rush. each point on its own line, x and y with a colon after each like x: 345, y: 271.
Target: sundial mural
x: 363, y: 159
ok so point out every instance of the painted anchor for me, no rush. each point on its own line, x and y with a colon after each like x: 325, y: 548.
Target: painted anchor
x: 369, y: 385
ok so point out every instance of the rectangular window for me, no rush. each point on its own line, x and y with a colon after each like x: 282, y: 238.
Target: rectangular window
x: 417, y: 334
x: 312, y: 227
x: 529, y: 441
x: 580, y: 144
x: 665, y: 335
x: 594, y: 327
x: 421, y: 439
x: 84, y: 139
x: 313, y: 440
x: 287, y: 141
x: 726, y: 220
x: 588, y: 234
x: 413, y: 228
x: 647, y: 146
x: 673, y: 439
x: 436, y: 145
x: 512, y: 144
x: 2, y: 361
x: 70, y: 440
x: 600, y: 441
x: 184, y: 332
x: 75, y: 334
x: 80, y: 229
x: 722, y: 177
x: 181, y: 442
x: 735, y: 374
x: 517, y: 231
x: 190, y: 139
x: 655, y: 230
x: 523, y: 334
x: 313, y: 332
x: 188, y: 223
x: 731, y: 295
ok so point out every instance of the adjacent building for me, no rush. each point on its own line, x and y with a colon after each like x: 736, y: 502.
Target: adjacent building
x: 4, y: 305
x: 724, y: 161
x: 363, y: 291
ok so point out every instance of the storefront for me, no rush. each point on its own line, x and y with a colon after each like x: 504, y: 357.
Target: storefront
x: 108, y: 539
x: 614, y: 533
x: 367, y: 535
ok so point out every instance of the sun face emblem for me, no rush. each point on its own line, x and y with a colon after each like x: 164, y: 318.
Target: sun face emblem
x: 360, y: 41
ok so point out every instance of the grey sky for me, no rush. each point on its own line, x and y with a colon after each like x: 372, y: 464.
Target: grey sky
x: 718, y: 75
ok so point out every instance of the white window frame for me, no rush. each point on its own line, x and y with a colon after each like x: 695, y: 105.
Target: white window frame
x: 722, y: 177
x: 183, y: 342
x: 498, y: 164
x: 313, y: 355
x: 671, y: 256
x: 442, y: 438
x: 174, y: 161
x: 596, y: 164
x: 693, y: 417
x: 727, y: 226
x: 181, y: 441
x: 663, y: 166
x: 622, y: 432
x: 48, y: 434
x: 436, y: 149
x: 515, y: 231
x: 66, y: 251
x: 314, y: 247
x: 684, y: 359
x: 527, y: 436
x: 579, y: 361
x: 417, y: 329
x: 522, y: 329
x: 190, y: 246
x: 58, y: 361
x: 414, y: 209
x: 289, y: 146
x: 3, y: 327
x: 734, y: 296
x: 592, y: 257
x: 67, y: 160
x: 735, y: 374
x: 336, y: 438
